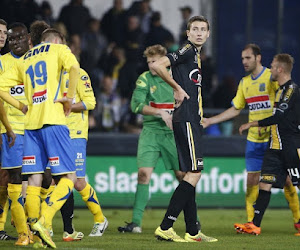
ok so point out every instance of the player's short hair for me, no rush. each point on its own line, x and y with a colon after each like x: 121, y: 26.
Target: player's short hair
x: 36, y: 30
x: 17, y: 25
x: 155, y: 50
x: 286, y: 61
x: 51, y: 33
x: 3, y: 22
x: 199, y: 19
x: 255, y: 48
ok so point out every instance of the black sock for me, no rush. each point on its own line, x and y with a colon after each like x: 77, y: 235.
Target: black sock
x: 178, y: 201
x: 260, y: 206
x: 67, y: 211
x: 190, y: 215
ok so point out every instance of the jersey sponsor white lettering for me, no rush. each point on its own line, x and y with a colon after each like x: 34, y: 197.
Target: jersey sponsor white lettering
x: 39, y: 97
x: 17, y: 90
x: 54, y: 161
x: 29, y: 160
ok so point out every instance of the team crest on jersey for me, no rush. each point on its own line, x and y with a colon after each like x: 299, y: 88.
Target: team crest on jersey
x: 153, y: 89
x: 262, y: 87
x: 54, y: 161
x: 29, y: 160
x: 184, y: 49
x: 39, y: 97
x: 17, y: 90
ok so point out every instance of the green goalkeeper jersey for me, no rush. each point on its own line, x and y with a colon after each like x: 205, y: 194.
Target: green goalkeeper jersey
x: 153, y: 91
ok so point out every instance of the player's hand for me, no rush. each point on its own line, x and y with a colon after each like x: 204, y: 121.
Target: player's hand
x: 167, y: 118
x: 244, y: 127
x: 67, y: 103
x: 24, y: 109
x: 179, y: 96
x: 206, y: 122
x: 11, y: 138
x: 262, y: 130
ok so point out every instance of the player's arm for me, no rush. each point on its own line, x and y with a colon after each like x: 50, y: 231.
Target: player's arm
x: 86, y: 94
x: 224, y: 116
x: 9, y: 132
x: 160, y: 67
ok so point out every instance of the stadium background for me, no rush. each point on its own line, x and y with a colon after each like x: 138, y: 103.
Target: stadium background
x: 111, y: 161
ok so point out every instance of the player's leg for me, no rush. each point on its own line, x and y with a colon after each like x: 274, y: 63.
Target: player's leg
x: 273, y: 174
x: 189, y: 146
x: 12, y: 158
x: 86, y: 191
x: 147, y: 157
x: 254, y: 159
x: 292, y: 198
x: 59, y: 151
x: 4, y: 205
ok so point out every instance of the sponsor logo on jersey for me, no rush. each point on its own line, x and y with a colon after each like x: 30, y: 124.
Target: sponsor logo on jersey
x: 54, y: 161
x: 288, y: 93
x: 195, y: 77
x: 283, y: 106
x: 140, y: 83
x: 36, y: 51
x: 29, y: 160
x: 184, y: 49
x: 257, y: 103
x: 84, y: 78
x: 169, y: 107
x: 39, y: 97
x: 17, y: 90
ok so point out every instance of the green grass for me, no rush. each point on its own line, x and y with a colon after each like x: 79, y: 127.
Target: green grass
x: 277, y: 231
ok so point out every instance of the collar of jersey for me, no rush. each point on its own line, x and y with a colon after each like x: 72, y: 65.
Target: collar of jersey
x: 286, y: 84
x: 15, y: 56
x: 255, y: 78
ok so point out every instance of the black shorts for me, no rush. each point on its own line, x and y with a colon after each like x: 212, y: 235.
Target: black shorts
x: 189, y: 145
x: 278, y: 164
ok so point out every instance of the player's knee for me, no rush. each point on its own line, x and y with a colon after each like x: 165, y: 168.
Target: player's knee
x: 80, y: 184
x: 179, y: 175
x: 143, y: 176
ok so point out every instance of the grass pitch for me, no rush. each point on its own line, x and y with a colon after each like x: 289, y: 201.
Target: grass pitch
x: 277, y: 231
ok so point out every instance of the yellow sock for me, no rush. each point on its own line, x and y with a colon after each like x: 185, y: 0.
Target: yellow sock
x: 291, y: 196
x: 58, y: 197
x: 251, y: 196
x: 45, y: 196
x: 33, y: 203
x: 89, y: 196
x: 17, y: 207
x: 3, y: 206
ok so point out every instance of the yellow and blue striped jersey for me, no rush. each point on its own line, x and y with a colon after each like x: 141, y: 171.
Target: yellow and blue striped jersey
x: 41, y: 70
x: 78, y: 122
x: 15, y: 117
x: 259, y: 94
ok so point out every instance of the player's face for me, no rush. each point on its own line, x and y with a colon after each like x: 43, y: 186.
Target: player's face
x: 150, y: 61
x: 18, y: 40
x: 3, y: 35
x: 249, y: 60
x: 198, y: 33
x: 274, y: 70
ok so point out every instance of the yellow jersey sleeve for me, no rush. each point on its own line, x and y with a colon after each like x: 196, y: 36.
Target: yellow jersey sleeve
x: 11, y: 82
x: 78, y: 121
x: 239, y: 100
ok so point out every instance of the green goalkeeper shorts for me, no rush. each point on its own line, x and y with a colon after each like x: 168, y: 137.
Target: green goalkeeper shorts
x: 152, y: 146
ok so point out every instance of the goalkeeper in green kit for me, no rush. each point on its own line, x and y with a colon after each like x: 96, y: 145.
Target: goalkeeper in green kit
x: 154, y: 99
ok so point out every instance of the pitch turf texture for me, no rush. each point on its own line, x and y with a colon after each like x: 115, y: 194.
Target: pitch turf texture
x: 277, y: 231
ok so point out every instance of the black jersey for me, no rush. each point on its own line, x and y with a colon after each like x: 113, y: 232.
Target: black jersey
x: 186, y: 71
x: 285, y: 129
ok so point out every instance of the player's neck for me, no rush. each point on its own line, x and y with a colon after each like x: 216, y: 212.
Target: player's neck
x: 257, y: 71
x: 283, y: 79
